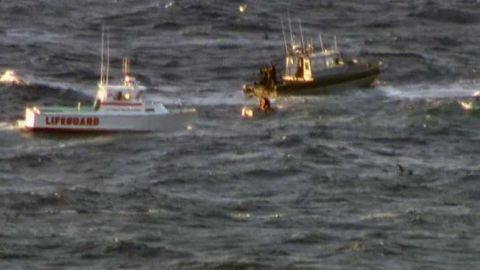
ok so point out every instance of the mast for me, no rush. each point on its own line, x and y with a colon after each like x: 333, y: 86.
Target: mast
x: 335, y: 40
x: 108, y: 58
x: 321, y: 42
x: 284, y: 38
x: 101, y: 58
x: 126, y: 66
x: 301, y: 34
x: 290, y: 26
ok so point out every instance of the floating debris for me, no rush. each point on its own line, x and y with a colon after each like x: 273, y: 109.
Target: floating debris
x: 12, y: 78
x: 247, y: 112
x: 466, y: 105
x: 401, y: 171
x: 242, y: 8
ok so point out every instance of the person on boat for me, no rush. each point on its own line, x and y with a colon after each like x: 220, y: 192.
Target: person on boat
x: 263, y: 76
x: 96, y: 104
x: 299, y: 73
x: 268, y: 83
x: 273, y: 72
x: 290, y: 49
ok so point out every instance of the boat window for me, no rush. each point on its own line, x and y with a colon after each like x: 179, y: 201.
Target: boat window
x: 139, y: 95
x: 307, y: 66
x: 318, y: 63
x: 338, y: 61
x: 289, y: 66
x: 330, y: 62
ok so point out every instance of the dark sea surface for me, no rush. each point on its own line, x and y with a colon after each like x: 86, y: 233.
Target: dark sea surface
x: 379, y: 178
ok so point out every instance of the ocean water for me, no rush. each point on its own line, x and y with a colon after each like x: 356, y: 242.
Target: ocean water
x: 378, y: 178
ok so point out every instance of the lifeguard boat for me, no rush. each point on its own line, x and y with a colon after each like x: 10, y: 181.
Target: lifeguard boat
x: 117, y: 108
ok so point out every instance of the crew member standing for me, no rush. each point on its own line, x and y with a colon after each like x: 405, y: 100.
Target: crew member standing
x: 274, y: 73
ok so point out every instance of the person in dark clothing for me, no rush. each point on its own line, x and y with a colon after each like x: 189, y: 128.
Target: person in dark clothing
x: 263, y: 76
x: 274, y: 73
x: 268, y: 75
x: 300, y: 68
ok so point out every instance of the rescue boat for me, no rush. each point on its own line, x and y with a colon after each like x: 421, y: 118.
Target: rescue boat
x: 311, y: 71
x: 117, y: 108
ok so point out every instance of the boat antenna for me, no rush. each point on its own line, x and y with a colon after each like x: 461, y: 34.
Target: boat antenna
x: 284, y: 38
x: 321, y: 42
x: 301, y: 34
x: 102, y: 70
x: 126, y: 66
x: 108, y: 57
x: 335, y: 40
x: 290, y: 26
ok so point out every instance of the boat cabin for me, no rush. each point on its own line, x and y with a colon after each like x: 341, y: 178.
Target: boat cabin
x: 298, y: 68
x: 129, y: 95
x: 123, y: 96
x: 300, y: 64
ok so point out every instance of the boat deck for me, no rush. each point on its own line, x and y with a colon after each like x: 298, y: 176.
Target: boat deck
x: 66, y: 109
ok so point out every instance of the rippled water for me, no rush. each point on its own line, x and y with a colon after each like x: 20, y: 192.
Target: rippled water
x: 380, y: 178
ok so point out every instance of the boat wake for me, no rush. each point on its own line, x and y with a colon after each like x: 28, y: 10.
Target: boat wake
x: 16, y: 97
x: 6, y: 126
x: 422, y: 91
x: 212, y: 99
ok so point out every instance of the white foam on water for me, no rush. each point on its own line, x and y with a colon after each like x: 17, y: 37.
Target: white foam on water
x: 423, y: 91
x: 211, y: 99
x: 6, y: 126
x: 235, y: 98
x: 22, y: 34
x: 378, y: 216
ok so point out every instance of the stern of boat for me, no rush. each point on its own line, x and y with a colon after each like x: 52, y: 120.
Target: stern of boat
x: 258, y: 91
x: 248, y: 90
x: 29, y: 121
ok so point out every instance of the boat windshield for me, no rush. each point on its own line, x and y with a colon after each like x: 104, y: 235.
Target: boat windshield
x: 126, y: 93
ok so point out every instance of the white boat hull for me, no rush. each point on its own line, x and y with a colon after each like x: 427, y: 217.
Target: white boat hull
x: 115, y: 121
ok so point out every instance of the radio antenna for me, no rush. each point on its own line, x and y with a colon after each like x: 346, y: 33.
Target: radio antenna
x: 108, y: 57
x: 301, y: 34
x: 290, y: 26
x: 284, y: 38
x: 321, y: 42
x: 102, y: 68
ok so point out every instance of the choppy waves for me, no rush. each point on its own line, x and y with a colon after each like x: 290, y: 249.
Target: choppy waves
x: 369, y: 178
